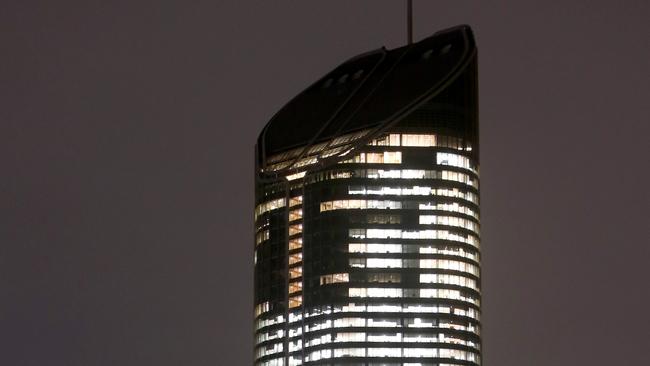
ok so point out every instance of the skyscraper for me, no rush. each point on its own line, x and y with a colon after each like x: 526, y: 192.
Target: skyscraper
x: 367, y: 213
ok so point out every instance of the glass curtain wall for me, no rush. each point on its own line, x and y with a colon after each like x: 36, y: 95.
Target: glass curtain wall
x: 372, y: 260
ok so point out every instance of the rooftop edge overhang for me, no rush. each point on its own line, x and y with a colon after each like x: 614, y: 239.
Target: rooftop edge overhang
x: 372, y: 91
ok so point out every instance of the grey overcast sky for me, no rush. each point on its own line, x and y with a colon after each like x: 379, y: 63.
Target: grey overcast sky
x: 126, y: 171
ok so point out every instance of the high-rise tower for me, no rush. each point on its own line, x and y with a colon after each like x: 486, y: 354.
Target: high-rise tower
x: 367, y: 213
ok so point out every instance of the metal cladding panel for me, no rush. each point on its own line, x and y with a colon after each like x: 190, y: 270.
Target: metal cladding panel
x: 422, y: 71
x: 301, y: 120
x: 372, y: 90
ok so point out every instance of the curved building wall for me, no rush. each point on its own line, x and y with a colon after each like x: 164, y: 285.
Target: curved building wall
x: 367, y: 243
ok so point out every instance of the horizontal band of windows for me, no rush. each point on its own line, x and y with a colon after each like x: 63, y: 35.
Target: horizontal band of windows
x: 393, y: 139
x: 395, y: 157
x: 269, y: 349
x: 336, y: 147
x: 384, y: 337
x: 449, y: 221
x: 269, y: 336
x: 408, y: 337
x: 445, y: 175
x: 407, y: 229
x: 334, y: 278
x: 414, y: 234
x: 399, y: 190
x: 394, y: 218
x: 426, y: 263
x: 316, y: 333
x: 363, y: 204
x: 447, y: 279
x: 431, y: 280
x: 269, y: 206
x: 385, y: 157
x: 393, y: 325
x: 412, y: 310
x: 421, y: 140
x: 456, y: 160
x: 393, y: 352
x: 375, y: 361
x: 438, y: 247
x: 376, y: 218
x: 266, y: 322
x: 387, y: 292
x: 379, y: 248
x: 272, y: 362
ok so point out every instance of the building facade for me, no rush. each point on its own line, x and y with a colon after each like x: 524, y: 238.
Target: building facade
x: 367, y: 213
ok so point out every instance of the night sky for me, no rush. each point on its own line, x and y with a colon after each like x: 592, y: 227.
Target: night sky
x: 126, y: 171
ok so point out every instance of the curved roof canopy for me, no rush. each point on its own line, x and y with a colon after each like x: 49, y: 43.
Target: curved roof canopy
x: 370, y: 91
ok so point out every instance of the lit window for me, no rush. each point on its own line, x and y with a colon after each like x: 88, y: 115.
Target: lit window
x: 295, y: 215
x: 349, y: 352
x: 357, y: 262
x: 374, y: 248
x: 350, y: 337
x: 295, y: 287
x: 295, y: 258
x: 418, y: 140
x: 349, y: 322
x: 295, y: 301
x: 449, y: 265
x: 295, y: 272
x: 295, y: 201
x: 334, y: 278
x: 296, y: 176
x: 420, y: 352
x: 392, y: 139
x: 306, y: 161
x: 384, y: 352
x: 376, y: 158
x: 262, y: 308
x: 295, y: 243
x: 384, y: 277
x: 385, y: 338
x: 295, y: 229
x: 384, y: 323
x: 268, y: 206
x: 262, y: 236
x: 456, y: 160
x: 383, y: 263
x: 375, y: 292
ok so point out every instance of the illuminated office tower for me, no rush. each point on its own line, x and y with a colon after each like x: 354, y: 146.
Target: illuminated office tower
x: 367, y: 213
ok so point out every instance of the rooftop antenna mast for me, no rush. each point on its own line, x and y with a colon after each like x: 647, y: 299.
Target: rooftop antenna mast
x: 409, y: 20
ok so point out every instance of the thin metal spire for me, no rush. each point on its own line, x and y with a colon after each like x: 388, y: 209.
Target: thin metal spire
x: 409, y: 20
